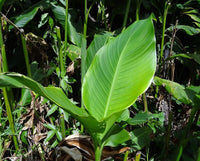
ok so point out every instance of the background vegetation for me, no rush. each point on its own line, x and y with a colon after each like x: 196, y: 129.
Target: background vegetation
x: 163, y: 124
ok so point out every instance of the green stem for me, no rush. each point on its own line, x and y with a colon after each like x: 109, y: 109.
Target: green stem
x: 163, y: 30
x: 83, y: 47
x: 60, y: 53
x: 180, y: 151
x: 86, y: 19
x: 126, y: 156
x: 62, y: 124
x: 139, y: 2
x: 1, y: 141
x: 83, y: 52
x: 28, y: 68
x: 10, y: 118
x: 84, y: 42
x: 147, y: 153
x: 138, y: 155
x: 4, y: 59
x: 8, y: 93
x: 1, y: 147
x: 145, y: 102
x: 4, y: 64
x: 66, y: 24
x: 5, y: 69
x: 98, y: 152
x: 126, y: 14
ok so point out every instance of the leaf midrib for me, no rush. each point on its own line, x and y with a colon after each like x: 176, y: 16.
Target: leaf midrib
x: 114, y: 79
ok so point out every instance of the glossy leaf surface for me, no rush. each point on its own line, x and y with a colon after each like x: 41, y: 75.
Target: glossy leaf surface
x: 120, y: 71
x: 96, y: 44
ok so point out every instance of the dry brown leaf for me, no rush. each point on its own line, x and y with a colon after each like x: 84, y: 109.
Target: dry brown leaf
x: 73, y: 153
x: 85, y: 145
x: 70, y: 68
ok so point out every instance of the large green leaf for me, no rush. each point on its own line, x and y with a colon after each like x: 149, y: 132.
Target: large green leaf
x: 96, y: 44
x: 174, y: 89
x: 54, y: 94
x: 120, y: 71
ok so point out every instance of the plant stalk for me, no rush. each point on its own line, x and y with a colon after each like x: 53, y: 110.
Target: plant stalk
x: 60, y: 53
x: 5, y: 69
x: 98, y: 152
x: 126, y: 14
x: 138, y: 155
x: 84, y: 41
x: 1, y: 140
x: 10, y: 118
x: 62, y: 124
x: 4, y: 59
x: 62, y: 73
x: 145, y: 102
x: 7, y: 92
x: 126, y: 156
x: 28, y: 67
x: 86, y: 19
x: 139, y: 2
x: 66, y: 25
x: 83, y: 53
x: 163, y: 30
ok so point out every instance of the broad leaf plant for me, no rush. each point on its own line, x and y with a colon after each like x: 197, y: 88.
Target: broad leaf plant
x: 120, y: 71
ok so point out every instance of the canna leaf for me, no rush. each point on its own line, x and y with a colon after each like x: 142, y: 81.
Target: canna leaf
x: 56, y: 95
x: 96, y: 44
x: 120, y: 71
